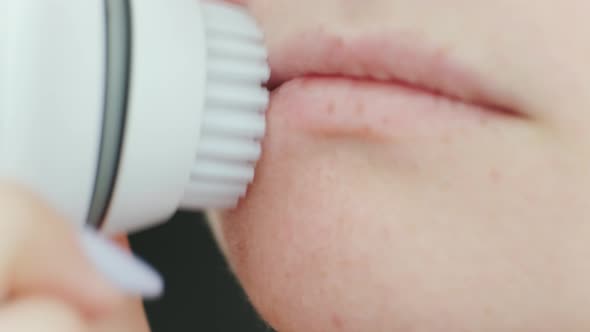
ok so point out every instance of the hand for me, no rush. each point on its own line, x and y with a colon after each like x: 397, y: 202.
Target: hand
x: 48, y: 282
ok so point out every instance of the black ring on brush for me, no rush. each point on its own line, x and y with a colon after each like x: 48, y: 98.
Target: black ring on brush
x: 118, y: 26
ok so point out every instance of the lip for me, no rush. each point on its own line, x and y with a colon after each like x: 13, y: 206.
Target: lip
x: 394, y: 59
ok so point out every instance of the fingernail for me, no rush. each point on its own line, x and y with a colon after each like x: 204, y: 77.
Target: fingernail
x: 125, y: 271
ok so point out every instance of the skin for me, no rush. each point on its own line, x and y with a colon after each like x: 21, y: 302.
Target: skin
x: 46, y: 283
x: 480, y: 229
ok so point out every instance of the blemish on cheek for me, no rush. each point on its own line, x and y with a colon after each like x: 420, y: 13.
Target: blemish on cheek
x: 484, y: 121
x: 331, y: 108
x: 337, y: 321
x: 495, y: 176
x: 447, y: 139
x: 367, y: 131
x: 360, y: 109
x: 338, y: 42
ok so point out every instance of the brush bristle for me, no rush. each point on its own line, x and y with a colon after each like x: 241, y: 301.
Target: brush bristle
x: 233, y: 123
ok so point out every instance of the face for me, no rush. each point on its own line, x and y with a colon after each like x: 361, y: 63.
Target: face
x: 426, y: 168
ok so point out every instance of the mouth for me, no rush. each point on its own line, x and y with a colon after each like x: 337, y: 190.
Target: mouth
x: 391, y: 60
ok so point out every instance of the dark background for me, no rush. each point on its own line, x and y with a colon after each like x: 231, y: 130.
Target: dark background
x: 201, y: 293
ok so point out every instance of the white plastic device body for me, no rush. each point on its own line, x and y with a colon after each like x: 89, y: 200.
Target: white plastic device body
x: 180, y: 80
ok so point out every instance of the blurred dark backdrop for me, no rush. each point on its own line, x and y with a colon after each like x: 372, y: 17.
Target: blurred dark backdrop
x: 201, y: 293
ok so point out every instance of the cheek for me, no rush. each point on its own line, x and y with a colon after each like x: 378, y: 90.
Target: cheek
x: 340, y: 235
x: 318, y: 244
x: 300, y: 241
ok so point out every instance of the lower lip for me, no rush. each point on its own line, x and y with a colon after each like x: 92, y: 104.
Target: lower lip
x: 347, y: 108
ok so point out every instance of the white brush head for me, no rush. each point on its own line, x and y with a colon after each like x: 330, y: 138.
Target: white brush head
x: 185, y: 96
x: 209, y: 140
x: 233, y: 122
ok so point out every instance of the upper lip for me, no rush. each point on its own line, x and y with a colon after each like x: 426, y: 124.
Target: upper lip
x: 389, y: 58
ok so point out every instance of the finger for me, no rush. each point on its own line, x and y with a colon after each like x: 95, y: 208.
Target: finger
x: 130, y: 316
x: 40, y: 255
x: 40, y: 315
